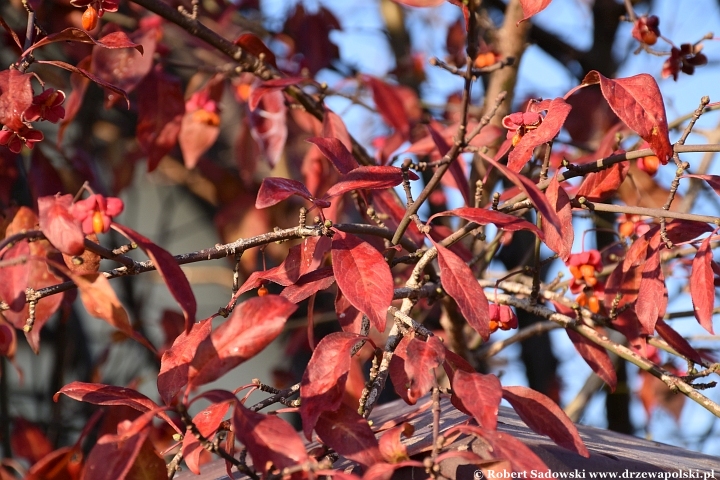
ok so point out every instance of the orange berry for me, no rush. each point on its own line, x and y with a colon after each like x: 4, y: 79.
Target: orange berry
x: 262, y: 291
x: 90, y: 18
x: 581, y: 299
x: 649, y: 37
x: 626, y: 229
x: 649, y: 164
x: 593, y: 304
x: 587, y: 272
x: 485, y: 60
x: 243, y: 91
x: 494, y: 325
x: 97, y: 222
x: 207, y: 117
x: 575, y: 272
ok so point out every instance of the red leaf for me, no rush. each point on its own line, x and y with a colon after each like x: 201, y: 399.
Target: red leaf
x: 110, y: 460
x: 36, y: 275
x: 638, y: 102
x: 676, y: 341
x: 79, y: 84
x: 702, y: 286
x: 389, y: 104
x: 712, y: 180
x: 652, y: 293
x: 598, y: 186
x: 483, y: 216
x: 175, y: 362
x: 425, y: 357
x: 170, y: 272
x: 349, y: 434
x: 301, y: 259
x: 544, y: 416
x: 15, y: 97
x: 63, y: 463
x: 87, y: 74
x: 456, y: 170
x: 199, y: 130
x: 311, y: 35
x: 99, y: 394
x: 269, y: 439
x: 334, y: 127
x: 251, y: 327
x: 534, y: 194
x: 363, y: 276
x: 349, y: 317
x: 560, y: 244
x: 398, y: 373
x: 454, y: 362
x: 477, y: 395
x: 460, y: 283
x: 8, y: 340
x: 125, y: 67
x: 596, y: 357
x: 685, y: 231
x: 207, y: 421
x: 28, y: 441
x: 372, y: 178
x: 557, y: 112
x: 100, y: 301
x: 334, y: 150
x: 309, y: 284
x: 161, y: 106
x: 268, y: 126
x: 274, y: 190
x: 256, y: 47
x: 323, y: 382
x: 532, y: 7
x: 506, y: 447
x: 15, y: 279
x: 391, y: 448
x: 112, y: 40
x: 59, y: 225
x: 267, y: 86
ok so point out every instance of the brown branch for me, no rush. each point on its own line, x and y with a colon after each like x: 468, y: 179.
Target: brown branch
x: 645, y: 211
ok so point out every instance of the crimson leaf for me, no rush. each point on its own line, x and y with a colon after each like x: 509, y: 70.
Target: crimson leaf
x: 460, y: 283
x: 373, y: 178
x: 544, y: 416
x: 251, y: 327
x: 478, y: 395
x: 637, y: 101
x: 323, y: 382
x: 363, y: 276
x: 269, y: 439
x: 702, y: 286
x: 350, y: 435
x: 170, y: 272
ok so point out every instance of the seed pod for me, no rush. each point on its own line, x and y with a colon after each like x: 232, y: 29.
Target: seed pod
x: 90, y: 18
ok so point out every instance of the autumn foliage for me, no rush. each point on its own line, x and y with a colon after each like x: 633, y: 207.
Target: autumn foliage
x: 390, y: 233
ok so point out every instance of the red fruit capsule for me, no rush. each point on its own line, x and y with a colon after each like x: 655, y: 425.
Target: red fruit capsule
x: 90, y: 18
